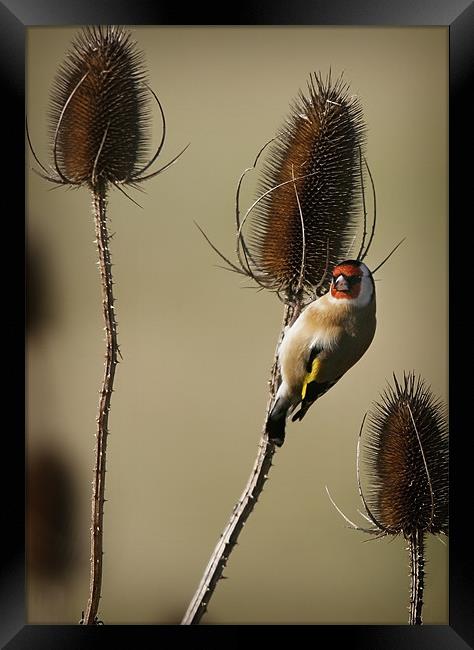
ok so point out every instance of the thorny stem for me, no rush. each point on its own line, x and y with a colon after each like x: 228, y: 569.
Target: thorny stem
x: 98, y: 490
x: 247, y: 501
x: 416, y: 548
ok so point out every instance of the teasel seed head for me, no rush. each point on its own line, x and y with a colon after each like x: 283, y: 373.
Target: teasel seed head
x: 311, y: 189
x: 407, y: 458
x: 99, y: 114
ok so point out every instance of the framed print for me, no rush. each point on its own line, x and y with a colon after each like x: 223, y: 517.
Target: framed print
x: 191, y: 386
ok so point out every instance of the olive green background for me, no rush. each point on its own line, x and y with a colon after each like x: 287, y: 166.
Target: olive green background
x: 192, y: 388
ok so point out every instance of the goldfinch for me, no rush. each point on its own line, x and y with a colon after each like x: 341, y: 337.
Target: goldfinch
x: 329, y: 336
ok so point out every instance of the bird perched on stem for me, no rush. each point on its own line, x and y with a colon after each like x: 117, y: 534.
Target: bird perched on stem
x: 330, y: 335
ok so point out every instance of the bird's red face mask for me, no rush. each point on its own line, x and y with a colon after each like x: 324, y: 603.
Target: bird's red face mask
x: 346, y: 281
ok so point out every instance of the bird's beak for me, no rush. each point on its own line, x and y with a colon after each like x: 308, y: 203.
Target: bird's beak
x: 341, y: 284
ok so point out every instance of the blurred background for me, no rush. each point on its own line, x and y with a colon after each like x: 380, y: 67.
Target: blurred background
x: 191, y: 392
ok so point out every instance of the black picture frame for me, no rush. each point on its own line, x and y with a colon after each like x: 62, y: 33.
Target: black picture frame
x: 15, y: 17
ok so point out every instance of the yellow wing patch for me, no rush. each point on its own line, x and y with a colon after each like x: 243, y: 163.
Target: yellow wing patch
x: 311, y: 376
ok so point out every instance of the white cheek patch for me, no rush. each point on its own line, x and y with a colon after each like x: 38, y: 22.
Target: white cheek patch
x: 366, y: 293
x: 367, y: 289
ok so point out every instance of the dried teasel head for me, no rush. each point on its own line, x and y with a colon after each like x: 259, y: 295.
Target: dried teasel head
x: 310, y: 193
x: 407, y: 460
x: 99, y: 116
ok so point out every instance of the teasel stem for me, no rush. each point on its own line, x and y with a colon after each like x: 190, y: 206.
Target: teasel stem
x: 248, y: 499
x: 416, y: 548
x: 99, y: 197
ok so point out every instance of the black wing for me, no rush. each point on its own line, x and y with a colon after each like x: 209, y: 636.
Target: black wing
x: 314, y: 390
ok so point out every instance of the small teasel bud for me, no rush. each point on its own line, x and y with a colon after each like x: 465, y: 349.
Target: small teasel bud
x: 311, y: 190
x: 407, y: 460
x: 100, y: 114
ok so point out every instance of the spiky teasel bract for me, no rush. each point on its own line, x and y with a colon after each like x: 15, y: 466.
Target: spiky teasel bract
x: 407, y: 460
x: 311, y: 190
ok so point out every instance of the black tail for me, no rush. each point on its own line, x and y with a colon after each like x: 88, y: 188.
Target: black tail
x: 275, y: 426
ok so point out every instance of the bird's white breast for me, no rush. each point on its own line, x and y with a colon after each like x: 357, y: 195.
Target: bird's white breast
x: 311, y: 328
